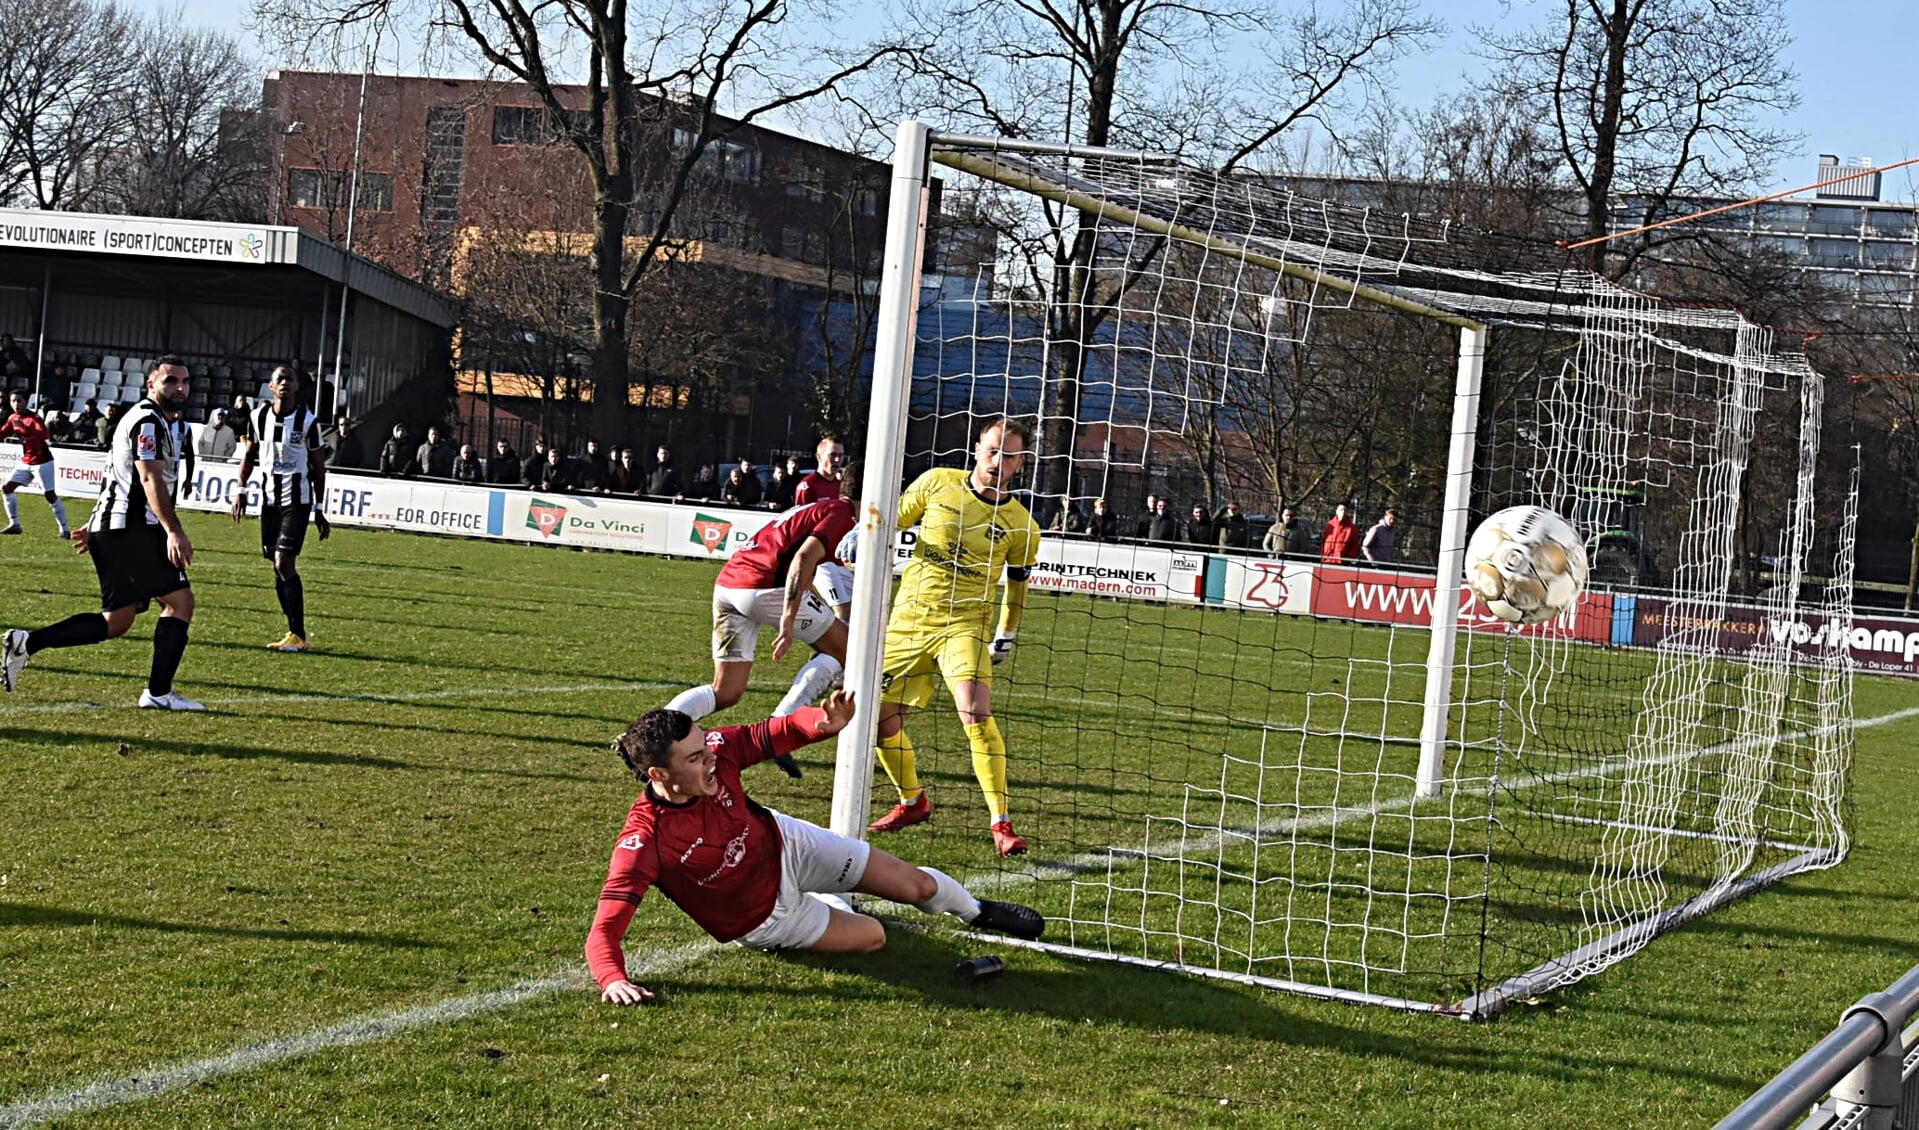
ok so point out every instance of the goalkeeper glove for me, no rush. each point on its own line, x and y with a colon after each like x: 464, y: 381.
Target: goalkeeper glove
x: 849, y: 547
x: 1002, y: 647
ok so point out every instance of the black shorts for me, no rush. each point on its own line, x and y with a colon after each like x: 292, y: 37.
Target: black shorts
x: 283, y: 529
x: 133, y: 568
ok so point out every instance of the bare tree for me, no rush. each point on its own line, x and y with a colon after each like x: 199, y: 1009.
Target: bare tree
x: 1141, y: 73
x: 194, y: 150
x: 642, y: 118
x: 68, y: 72
x: 1652, y: 101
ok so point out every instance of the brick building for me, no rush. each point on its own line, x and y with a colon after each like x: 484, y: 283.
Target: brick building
x: 454, y: 167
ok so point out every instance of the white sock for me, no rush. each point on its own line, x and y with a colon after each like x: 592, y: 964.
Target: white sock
x: 60, y: 515
x: 695, y: 702
x: 13, y: 508
x: 809, y: 684
x: 949, y: 897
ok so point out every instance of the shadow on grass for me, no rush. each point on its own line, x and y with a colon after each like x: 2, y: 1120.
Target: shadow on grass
x: 53, y: 917
x: 197, y: 749
x: 919, y: 964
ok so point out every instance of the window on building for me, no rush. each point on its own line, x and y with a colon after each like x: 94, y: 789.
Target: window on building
x: 730, y: 161
x: 315, y: 188
x: 529, y: 125
x: 866, y: 201
x: 1835, y: 252
x: 1881, y: 253
x: 1780, y: 215
x: 721, y: 232
x: 805, y: 246
x: 808, y: 184
x: 1897, y: 225
x: 1835, y: 218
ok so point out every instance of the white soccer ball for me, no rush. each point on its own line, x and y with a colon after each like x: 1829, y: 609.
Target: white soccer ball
x: 1526, y: 564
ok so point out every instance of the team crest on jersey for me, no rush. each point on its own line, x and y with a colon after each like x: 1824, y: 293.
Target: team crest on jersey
x: 631, y: 843
x: 710, y: 532
x: 147, y: 445
x: 724, y: 796
x: 995, y: 531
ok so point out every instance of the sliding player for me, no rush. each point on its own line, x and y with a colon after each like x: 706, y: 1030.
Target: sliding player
x: 283, y: 440
x: 768, y: 583
x: 971, y: 530
x: 743, y: 872
x: 36, y: 462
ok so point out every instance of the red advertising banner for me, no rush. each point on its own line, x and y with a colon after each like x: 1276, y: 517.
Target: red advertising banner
x: 1389, y: 597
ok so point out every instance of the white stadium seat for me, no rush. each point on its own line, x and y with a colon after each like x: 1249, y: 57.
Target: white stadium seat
x: 110, y: 362
x: 131, y: 394
x: 134, y: 367
x: 90, y: 375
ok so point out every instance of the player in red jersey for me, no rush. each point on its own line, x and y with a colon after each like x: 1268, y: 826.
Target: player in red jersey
x: 824, y: 482
x: 743, y: 872
x: 36, y: 462
x: 768, y: 582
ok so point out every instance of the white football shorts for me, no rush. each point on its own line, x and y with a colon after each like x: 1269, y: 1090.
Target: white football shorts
x: 23, y: 475
x: 738, y: 615
x: 834, y: 582
x: 813, y: 861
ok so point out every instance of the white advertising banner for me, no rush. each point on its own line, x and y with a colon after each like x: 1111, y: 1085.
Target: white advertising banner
x: 1275, y: 586
x: 128, y: 235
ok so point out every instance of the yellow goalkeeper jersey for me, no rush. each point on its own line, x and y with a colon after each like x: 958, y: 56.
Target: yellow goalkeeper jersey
x: 964, y: 543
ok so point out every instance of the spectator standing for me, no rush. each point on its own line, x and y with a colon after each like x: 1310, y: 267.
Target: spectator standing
x: 1230, y: 528
x: 1199, y: 526
x: 396, y: 456
x: 435, y: 456
x: 1102, y: 524
x: 1291, y: 536
x: 217, y: 439
x: 13, y: 359
x: 1163, y: 526
x: 534, y: 465
x: 347, y: 450
x: 1382, y: 541
x: 503, y: 466
x: 1339, y: 541
x: 742, y: 489
x: 103, y: 427
x: 626, y: 476
x: 238, y: 413
x: 554, y: 474
x: 706, y: 485
x: 590, y: 470
x: 665, y: 479
x: 466, y: 466
x: 1143, y: 529
x: 824, y: 482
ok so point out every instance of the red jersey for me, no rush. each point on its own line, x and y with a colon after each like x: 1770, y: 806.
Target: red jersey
x: 815, y: 487
x: 31, y: 431
x: 717, y: 857
x: 762, y: 562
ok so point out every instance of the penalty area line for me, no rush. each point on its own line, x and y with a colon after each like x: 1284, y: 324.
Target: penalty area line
x: 152, y: 1082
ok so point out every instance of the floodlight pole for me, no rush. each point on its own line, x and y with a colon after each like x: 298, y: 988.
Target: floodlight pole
x: 1452, y: 561
x: 880, y: 486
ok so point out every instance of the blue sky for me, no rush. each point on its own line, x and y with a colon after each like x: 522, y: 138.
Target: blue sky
x: 1852, y: 60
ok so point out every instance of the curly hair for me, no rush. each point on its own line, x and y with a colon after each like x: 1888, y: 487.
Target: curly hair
x: 646, y: 743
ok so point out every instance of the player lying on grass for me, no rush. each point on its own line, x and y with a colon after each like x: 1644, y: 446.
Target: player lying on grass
x: 746, y: 873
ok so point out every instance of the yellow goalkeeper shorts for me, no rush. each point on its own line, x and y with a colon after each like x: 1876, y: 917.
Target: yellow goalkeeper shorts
x: 914, y: 657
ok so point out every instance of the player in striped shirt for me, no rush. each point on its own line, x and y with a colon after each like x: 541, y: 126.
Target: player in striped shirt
x: 139, y: 550
x: 36, y: 462
x: 283, y: 441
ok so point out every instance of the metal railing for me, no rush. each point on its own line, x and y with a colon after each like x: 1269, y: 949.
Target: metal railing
x: 1865, y: 1074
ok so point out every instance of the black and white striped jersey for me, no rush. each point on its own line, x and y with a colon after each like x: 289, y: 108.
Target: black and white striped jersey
x: 284, y: 448
x: 144, y: 436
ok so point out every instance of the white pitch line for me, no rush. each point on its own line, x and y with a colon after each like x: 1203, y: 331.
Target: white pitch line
x: 154, y: 1081
x: 321, y: 696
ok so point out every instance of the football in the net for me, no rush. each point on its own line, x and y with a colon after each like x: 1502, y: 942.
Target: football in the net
x: 1526, y: 564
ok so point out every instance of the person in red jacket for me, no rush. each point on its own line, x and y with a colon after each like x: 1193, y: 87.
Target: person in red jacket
x: 36, y: 462
x: 743, y: 872
x: 1340, y: 540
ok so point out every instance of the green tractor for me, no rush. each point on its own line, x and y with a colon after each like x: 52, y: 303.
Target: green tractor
x: 1610, y: 519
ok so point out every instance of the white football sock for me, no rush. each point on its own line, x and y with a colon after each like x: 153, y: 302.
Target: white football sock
x: 809, y: 684
x: 949, y: 897
x: 695, y: 702
x: 60, y: 515
x: 13, y: 508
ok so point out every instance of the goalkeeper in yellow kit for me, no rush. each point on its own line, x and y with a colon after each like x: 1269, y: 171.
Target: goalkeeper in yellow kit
x: 970, y: 531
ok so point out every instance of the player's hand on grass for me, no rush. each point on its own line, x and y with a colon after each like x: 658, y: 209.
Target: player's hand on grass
x: 1002, y: 647
x: 839, y: 711
x: 320, y: 523
x: 626, y: 992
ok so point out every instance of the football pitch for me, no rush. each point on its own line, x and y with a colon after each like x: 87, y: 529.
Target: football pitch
x: 355, y: 892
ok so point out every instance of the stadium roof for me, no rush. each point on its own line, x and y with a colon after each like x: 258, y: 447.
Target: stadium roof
x: 251, y: 264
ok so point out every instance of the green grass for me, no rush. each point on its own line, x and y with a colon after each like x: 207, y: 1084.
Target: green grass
x: 421, y: 810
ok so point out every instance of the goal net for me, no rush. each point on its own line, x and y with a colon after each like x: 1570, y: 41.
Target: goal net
x: 1298, y: 753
